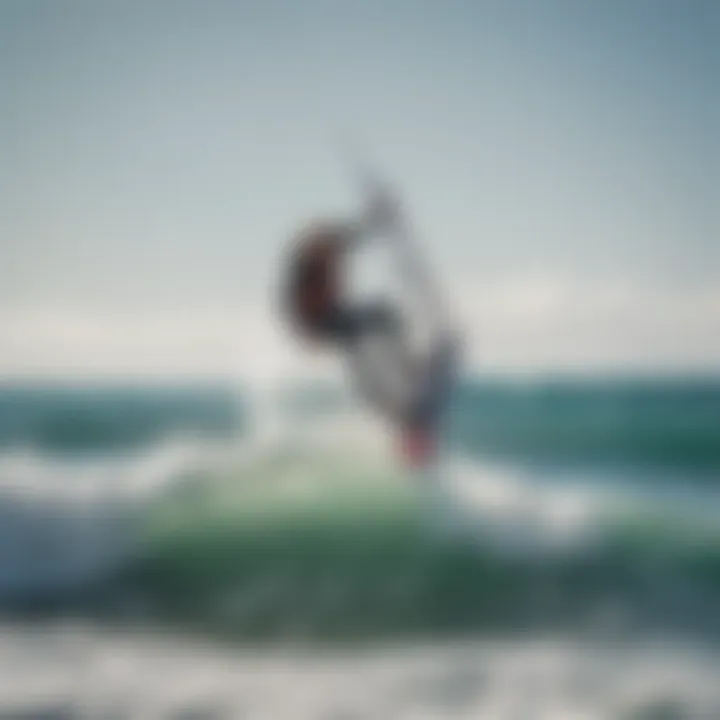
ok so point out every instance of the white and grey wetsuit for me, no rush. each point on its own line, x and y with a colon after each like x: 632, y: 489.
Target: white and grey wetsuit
x: 409, y: 387
x: 409, y: 390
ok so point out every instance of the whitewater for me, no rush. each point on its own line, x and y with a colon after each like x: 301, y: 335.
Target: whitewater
x: 294, y: 570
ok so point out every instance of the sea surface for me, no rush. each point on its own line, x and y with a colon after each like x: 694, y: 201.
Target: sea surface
x: 568, y: 543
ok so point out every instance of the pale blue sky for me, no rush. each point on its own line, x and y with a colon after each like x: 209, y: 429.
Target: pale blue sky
x: 157, y: 154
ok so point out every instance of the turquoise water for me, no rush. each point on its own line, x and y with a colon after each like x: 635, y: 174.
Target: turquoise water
x: 57, y: 417
x: 349, y: 552
x: 643, y: 423
x: 566, y: 505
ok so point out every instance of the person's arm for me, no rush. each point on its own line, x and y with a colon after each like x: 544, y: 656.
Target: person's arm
x: 355, y: 234
x: 379, y: 216
x: 383, y: 215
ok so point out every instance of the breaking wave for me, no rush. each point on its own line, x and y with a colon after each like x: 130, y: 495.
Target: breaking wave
x: 306, y: 528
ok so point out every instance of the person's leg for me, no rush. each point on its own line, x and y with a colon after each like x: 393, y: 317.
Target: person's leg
x: 381, y: 362
x: 410, y: 391
x: 435, y: 383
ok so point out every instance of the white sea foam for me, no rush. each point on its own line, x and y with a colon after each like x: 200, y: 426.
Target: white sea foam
x: 64, y: 670
x: 66, y: 520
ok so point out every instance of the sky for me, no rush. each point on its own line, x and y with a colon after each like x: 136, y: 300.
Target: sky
x: 560, y: 160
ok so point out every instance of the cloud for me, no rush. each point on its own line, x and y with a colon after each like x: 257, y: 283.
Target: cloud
x: 561, y: 324
x: 181, y: 341
x: 528, y: 323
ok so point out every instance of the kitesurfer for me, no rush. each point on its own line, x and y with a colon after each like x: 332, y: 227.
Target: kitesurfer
x: 407, y: 387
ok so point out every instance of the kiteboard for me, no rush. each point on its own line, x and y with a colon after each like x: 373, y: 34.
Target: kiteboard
x: 441, y: 357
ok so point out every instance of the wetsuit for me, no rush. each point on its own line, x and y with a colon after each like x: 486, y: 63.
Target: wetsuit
x: 408, y: 389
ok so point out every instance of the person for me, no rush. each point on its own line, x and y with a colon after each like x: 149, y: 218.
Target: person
x: 408, y: 388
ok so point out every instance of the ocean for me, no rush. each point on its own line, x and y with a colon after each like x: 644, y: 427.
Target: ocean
x: 564, y: 562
